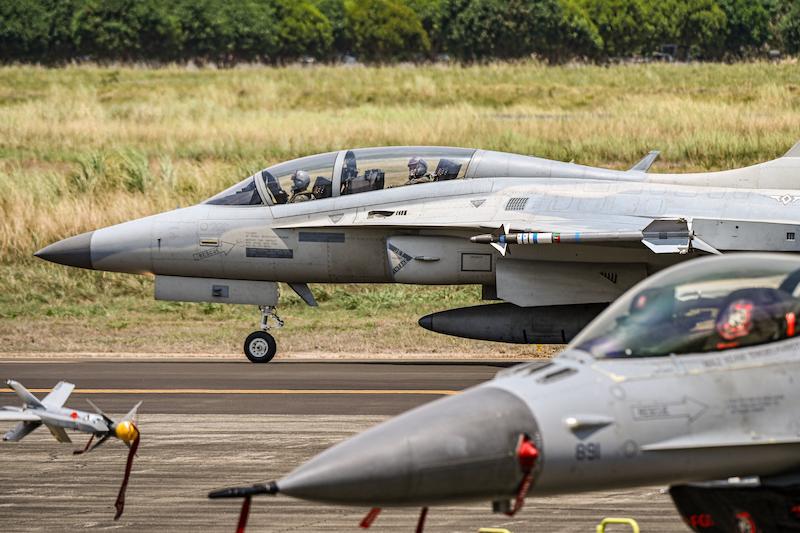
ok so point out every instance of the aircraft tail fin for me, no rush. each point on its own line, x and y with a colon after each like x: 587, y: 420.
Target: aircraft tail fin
x: 794, y: 151
x: 25, y: 395
x: 781, y: 174
x: 20, y: 431
x: 58, y: 396
x: 646, y: 162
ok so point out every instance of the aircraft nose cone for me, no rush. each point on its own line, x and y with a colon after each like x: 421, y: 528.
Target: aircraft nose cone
x: 458, y: 448
x: 72, y: 251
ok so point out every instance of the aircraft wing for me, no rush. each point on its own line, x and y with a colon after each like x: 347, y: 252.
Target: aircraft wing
x: 20, y: 431
x: 58, y: 432
x: 13, y: 415
x: 58, y: 395
x: 660, y: 236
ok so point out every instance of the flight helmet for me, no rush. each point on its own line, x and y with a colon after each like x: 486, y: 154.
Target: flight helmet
x: 300, y: 181
x: 417, y: 167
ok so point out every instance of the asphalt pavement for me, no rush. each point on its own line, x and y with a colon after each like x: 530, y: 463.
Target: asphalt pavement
x: 207, y: 425
x: 232, y: 387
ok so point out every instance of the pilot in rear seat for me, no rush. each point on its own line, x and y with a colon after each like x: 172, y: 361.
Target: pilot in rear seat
x: 418, y: 171
x: 300, y: 182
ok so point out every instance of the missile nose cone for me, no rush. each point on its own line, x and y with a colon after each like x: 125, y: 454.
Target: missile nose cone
x: 72, y: 251
x: 458, y: 448
x: 426, y: 322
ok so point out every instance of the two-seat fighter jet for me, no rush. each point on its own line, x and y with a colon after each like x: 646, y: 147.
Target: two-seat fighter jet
x: 556, y: 242
x: 50, y: 412
x: 690, y: 380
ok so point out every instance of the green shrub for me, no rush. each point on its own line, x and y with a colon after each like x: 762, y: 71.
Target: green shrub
x: 789, y: 29
x: 384, y: 30
x: 302, y: 30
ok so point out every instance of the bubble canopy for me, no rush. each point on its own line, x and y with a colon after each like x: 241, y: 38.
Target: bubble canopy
x: 705, y: 305
x: 344, y: 172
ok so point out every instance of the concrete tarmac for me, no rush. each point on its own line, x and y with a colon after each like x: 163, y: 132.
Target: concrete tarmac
x: 215, y: 424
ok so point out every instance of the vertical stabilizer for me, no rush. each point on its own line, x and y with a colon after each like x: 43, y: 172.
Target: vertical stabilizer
x: 29, y: 399
x: 646, y: 162
x: 794, y: 151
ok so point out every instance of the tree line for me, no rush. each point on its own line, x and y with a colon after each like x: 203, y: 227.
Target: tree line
x: 226, y: 32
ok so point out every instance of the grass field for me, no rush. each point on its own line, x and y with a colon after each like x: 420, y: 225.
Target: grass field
x: 84, y: 147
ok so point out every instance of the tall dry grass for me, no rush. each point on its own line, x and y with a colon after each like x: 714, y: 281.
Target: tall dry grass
x: 84, y: 147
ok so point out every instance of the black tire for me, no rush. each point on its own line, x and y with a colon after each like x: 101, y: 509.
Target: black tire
x: 260, y: 347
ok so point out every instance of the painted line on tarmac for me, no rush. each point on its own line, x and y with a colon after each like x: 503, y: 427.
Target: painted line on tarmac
x: 257, y: 391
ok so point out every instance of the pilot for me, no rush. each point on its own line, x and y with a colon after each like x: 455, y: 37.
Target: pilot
x: 300, y: 182
x: 754, y: 316
x: 418, y: 171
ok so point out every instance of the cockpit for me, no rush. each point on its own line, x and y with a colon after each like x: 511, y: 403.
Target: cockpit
x: 347, y: 172
x: 704, y: 305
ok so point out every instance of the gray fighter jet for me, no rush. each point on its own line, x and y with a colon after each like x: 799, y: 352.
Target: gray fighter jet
x: 50, y: 412
x: 690, y: 379
x: 555, y: 241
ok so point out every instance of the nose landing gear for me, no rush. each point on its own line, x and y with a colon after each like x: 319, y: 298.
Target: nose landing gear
x: 260, y: 346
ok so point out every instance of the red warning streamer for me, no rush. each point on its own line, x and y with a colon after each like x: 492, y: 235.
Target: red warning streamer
x: 243, y: 514
x: 370, y: 518
x: 421, y: 522
x: 120, y: 503
x: 526, y: 455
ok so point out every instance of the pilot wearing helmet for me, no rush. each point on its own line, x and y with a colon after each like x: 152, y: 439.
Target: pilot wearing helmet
x: 754, y: 316
x: 300, y: 182
x: 418, y: 171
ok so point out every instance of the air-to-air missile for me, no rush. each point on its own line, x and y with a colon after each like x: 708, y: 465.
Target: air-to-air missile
x: 50, y: 412
x: 689, y: 380
x: 555, y: 241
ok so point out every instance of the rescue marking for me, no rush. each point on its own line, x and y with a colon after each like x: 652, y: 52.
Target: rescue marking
x: 404, y: 258
x: 688, y: 408
x: 223, y: 248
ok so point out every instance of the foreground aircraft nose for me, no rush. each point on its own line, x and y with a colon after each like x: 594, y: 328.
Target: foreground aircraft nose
x: 125, y: 247
x: 73, y: 251
x: 462, y: 447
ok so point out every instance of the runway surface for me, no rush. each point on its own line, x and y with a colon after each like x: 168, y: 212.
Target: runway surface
x: 244, y: 388
x: 213, y: 424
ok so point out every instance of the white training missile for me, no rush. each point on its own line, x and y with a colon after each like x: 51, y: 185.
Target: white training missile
x: 661, y: 236
x: 544, y: 237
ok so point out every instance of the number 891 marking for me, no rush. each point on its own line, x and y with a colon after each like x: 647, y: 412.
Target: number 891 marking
x: 587, y: 452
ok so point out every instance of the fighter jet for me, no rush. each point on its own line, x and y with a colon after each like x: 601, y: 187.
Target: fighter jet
x: 51, y: 412
x: 556, y: 242
x: 689, y: 380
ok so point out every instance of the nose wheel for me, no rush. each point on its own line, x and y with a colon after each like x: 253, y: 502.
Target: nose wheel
x: 260, y: 346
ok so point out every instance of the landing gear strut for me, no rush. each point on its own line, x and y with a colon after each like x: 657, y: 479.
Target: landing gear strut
x: 260, y: 346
